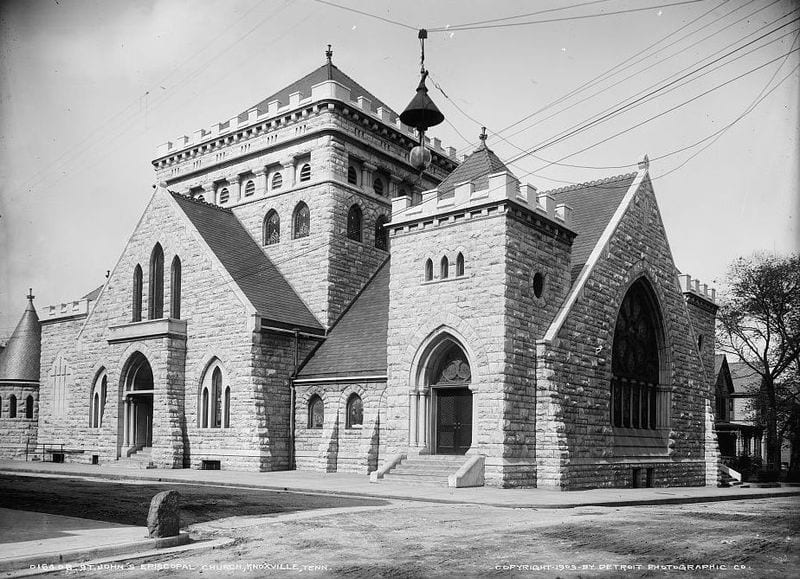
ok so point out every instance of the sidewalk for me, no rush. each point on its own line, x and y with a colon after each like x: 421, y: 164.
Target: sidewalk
x: 346, y: 484
x: 37, y: 542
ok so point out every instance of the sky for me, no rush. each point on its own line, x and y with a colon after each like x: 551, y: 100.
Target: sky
x: 90, y: 88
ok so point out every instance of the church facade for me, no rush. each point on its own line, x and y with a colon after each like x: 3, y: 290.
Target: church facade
x: 296, y: 295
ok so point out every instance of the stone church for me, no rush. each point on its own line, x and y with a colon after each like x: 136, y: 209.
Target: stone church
x: 297, y: 295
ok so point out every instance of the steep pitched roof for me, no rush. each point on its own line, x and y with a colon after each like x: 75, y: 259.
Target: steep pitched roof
x: 476, y: 169
x: 745, y: 380
x: 356, y: 345
x: 92, y: 295
x: 19, y: 360
x: 593, y: 205
x: 250, y: 268
x: 327, y: 71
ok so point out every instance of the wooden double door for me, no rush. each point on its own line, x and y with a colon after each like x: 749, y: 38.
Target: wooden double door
x: 453, y: 420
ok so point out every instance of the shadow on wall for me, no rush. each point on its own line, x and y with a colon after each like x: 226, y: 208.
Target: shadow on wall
x: 332, y: 455
x: 372, y: 452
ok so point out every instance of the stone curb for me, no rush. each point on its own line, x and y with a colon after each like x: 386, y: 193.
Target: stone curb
x: 622, y: 502
x: 68, y: 557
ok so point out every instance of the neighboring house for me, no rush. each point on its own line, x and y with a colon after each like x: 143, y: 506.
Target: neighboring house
x: 736, y: 391
x: 256, y: 321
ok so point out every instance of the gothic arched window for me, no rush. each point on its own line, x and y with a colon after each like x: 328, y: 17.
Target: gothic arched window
x: 98, y: 400
x: 460, y: 265
x: 635, y: 361
x: 136, y: 297
x: 381, y: 233
x: 29, y: 406
x: 215, y: 399
x: 302, y: 221
x: 354, y: 218
x: 355, y: 411
x: 316, y: 412
x: 272, y: 228
x: 12, y: 406
x: 155, y: 302
x: 429, y: 270
x: 175, y: 289
x: 444, y: 268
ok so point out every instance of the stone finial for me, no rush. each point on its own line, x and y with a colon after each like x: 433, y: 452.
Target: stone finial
x: 644, y: 163
x: 164, y: 518
x: 482, y: 137
x: 30, y: 295
x: 329, y: 55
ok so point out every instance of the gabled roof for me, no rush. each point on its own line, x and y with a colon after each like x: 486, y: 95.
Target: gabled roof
x: 19, y: 360
x: 593, y: 205
x: 476, y: 169
x: 356, y: 345
x: 254, y: 273
x: 745, y: 380
x: 327, y: 71
x: 92, y: 295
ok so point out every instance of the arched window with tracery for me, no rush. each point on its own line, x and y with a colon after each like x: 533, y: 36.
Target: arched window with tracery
x: 316, y: 412
x: 98, y: 400
x: 175, y: 289
x: 272, y: 228
x: 354, y: 218
x: 215, y: 399
x: 302, y: 221
x: 635, y: 361
x: 155, y: 303
x: 136, y: 298
x: 381, y: 233
x: 355, y: 412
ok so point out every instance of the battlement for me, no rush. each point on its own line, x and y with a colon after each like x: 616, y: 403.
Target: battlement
x: 503, y: 186
x: 694, y: 287
x: 65, y: 310
x: 258, y: 121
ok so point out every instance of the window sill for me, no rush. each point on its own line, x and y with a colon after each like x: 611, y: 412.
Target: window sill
x: 641, y: 442
x: 147, y: 329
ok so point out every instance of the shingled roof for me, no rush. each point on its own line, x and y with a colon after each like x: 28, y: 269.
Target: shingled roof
x: 745, y: 379
x: 593, y: 204
x: 19, y: 360
x: 255, y: 274
x: 476, y: 169
x: 327, y: 71
x: 356, y: 345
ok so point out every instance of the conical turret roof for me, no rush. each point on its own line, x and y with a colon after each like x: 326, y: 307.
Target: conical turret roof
x: 19, y: 361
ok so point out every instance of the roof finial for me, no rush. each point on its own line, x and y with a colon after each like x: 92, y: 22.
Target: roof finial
x: 482, y: 137
x: 329, y: 55
x: 30, y: 294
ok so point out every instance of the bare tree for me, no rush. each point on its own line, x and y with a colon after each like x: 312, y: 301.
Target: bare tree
x: 759, y: 322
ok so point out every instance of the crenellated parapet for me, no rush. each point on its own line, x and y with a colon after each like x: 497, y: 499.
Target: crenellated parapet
x: 65, y: 311
x: 503, y: 187
x: 693, y: 287
x: 255, y: 122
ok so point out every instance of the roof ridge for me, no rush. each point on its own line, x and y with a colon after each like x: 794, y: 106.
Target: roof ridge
x: 200, y: 201
x: 592, y: 183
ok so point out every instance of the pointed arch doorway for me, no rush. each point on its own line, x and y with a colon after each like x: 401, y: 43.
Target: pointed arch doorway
x: 137, y: 399
x: 442, y: 404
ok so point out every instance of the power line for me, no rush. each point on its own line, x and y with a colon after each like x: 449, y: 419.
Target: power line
x: 624, y: 108
x: 569, y: 18
x: 369, y: 15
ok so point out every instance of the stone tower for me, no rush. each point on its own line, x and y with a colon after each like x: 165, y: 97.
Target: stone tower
x: 310, y: 171
x: 478, y: 269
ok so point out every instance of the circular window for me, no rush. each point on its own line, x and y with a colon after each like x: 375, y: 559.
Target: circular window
x: 538, y: 284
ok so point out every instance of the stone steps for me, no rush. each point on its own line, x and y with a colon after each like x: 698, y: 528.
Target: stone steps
x: 432, y: 470
x: 142, y: 459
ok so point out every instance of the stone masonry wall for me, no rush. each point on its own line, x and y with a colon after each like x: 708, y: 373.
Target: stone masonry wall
x: 19, y: 435
x: 576, y: 450
x: 335, y: 448
x: 470, y: 308
x: 219, y: 327
x: 533, y: 245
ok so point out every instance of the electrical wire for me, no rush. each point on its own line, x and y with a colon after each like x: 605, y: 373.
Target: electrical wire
x: 367, y: 14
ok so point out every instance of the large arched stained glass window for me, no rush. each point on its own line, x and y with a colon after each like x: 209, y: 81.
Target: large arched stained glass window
x: 355, y: 412
x: 635, y: 362
x: 272, y: 228
x: 316, y: 412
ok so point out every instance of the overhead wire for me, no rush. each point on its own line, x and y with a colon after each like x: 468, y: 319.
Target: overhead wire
x: 368, y: 15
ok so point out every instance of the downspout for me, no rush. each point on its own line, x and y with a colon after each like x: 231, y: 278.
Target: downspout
x: 292, y: 399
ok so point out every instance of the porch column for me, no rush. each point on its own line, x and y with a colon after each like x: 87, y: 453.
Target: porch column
x: 125, y: 423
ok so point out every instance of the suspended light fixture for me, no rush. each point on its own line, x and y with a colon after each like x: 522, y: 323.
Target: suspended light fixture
x: 421, y: 113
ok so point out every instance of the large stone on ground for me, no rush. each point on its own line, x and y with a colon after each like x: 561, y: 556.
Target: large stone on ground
x: 164, y: 518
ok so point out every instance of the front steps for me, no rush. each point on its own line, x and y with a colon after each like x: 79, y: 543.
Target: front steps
x: 432, y: 470
x: 141, y: 459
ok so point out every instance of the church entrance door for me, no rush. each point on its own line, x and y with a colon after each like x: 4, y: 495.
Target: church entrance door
x: 453, y: 420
